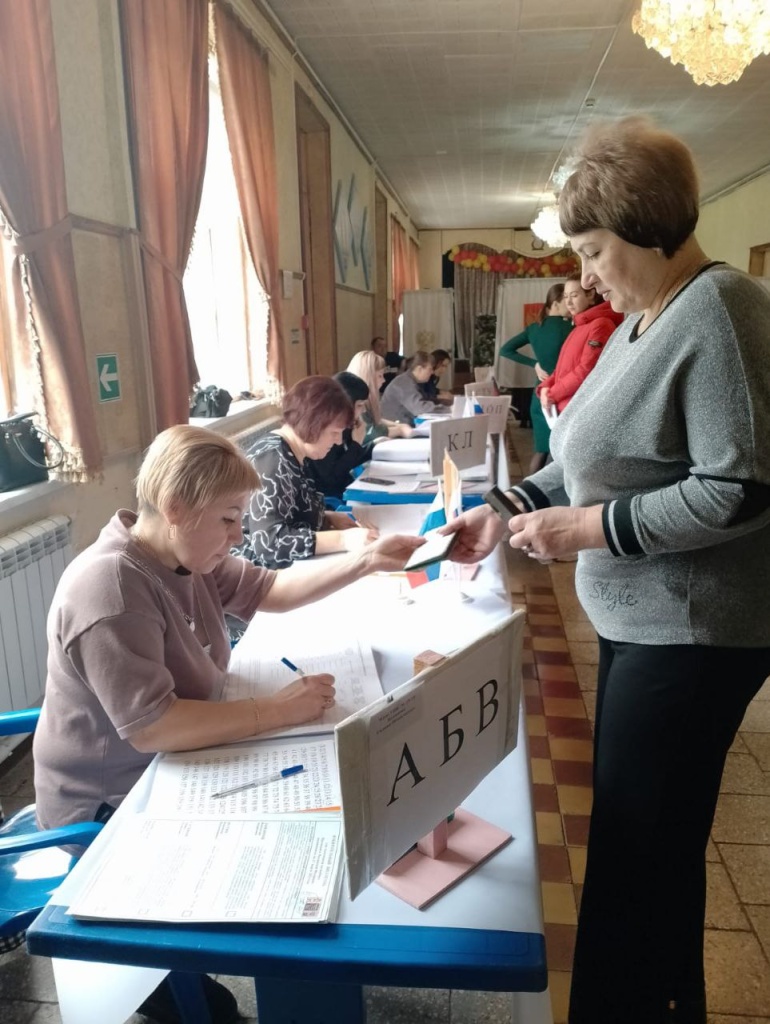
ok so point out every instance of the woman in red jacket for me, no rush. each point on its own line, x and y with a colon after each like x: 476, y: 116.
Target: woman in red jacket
x: 594, y: 322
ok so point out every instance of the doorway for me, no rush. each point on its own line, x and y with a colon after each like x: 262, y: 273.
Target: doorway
x: 314, y: 162
x: 381, y: 266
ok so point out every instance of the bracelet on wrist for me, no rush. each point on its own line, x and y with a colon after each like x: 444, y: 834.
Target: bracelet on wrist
x: 257, y: 717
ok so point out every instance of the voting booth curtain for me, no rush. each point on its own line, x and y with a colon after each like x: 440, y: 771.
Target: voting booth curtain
x: 519, y: 302
x: 429, y: 323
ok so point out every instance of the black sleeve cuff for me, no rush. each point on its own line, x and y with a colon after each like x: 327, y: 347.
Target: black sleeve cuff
x: 619, y: 529
x: 532, y: 497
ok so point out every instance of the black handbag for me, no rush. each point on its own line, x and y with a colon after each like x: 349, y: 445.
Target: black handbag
x: 211, y: 401
x: 22, y: 453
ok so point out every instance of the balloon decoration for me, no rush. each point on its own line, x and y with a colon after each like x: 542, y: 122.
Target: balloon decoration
x: 511, y: 264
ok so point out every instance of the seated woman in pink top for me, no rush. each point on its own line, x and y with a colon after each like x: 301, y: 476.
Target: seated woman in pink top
x: 138, y: 648
x: 594, y: 322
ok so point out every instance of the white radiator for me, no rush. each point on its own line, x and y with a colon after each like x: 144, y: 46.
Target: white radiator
x: 31, y: 561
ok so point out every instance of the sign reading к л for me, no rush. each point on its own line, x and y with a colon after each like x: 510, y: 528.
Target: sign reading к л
x: 410, y: 758
x: 109, y: 377
x: 464, y: 439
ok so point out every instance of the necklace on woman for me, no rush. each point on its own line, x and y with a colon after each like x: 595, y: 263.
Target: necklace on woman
x: 145, y: 547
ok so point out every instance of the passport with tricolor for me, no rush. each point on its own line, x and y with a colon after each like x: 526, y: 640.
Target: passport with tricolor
x: 447, y: 505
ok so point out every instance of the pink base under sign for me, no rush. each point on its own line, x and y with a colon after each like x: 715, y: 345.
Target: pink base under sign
x: 419, y: 879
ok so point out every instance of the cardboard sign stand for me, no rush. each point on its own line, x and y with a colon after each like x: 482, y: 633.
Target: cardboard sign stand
x: 446, y: 854
x: 443, y: 858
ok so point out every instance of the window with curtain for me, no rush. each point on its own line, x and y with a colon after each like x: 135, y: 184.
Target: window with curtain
x: 8, y: 399
x: 227, y: 306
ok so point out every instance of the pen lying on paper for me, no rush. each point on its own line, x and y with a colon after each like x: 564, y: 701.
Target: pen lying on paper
x: 292, y: 666
x: 284, y: 773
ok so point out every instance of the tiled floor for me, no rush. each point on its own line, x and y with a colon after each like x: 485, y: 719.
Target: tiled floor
x: 560, y: 689
x: 559, y: 682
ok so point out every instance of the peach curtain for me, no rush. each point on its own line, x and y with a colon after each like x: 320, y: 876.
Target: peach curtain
x: 244, y: 78
x: 400, y: 275
x: 47, y: 333
x: 166, y: 53
x: 414, y: 266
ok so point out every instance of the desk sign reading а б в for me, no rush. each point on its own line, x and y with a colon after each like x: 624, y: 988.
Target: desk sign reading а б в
x: 411, y: 757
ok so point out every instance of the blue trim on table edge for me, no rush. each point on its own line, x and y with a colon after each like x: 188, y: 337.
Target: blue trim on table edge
x: 459, y: 958
x: 403, y: 497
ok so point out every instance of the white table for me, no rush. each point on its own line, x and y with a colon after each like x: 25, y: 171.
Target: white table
x: 483, y: 934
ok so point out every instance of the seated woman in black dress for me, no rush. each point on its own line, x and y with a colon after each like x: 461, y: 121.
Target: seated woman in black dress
x: 287, y: 519
x: 333, y: 473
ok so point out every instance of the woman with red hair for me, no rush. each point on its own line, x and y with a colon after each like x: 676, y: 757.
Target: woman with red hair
x: 287, y: 519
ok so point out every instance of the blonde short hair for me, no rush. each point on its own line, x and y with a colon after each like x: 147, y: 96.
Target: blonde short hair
x: 192, y: 467
x: 635, y: 180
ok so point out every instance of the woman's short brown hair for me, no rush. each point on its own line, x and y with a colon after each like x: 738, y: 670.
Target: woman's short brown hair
x: 192, y: 467
x: 313, y: 404
x: 635, y: 180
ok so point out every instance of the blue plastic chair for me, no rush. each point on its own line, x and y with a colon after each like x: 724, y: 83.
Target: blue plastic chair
x: 32, y: 863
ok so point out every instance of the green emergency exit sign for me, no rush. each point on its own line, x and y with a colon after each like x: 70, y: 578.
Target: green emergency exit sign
x: 109, y: 378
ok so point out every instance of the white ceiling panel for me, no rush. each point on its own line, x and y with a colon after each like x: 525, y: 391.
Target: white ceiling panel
x: 468, y: 107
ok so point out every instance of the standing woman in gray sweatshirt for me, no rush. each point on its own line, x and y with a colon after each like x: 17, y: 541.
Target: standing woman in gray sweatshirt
x: 661, y: 482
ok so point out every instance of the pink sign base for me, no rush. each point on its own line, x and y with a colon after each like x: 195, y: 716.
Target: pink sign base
x: 419, y: 879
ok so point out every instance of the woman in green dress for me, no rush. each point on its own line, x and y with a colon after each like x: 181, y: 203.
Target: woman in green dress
x: 546, y: 337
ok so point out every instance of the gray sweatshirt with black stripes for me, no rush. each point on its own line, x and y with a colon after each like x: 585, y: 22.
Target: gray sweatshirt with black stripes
x: 671, y: 434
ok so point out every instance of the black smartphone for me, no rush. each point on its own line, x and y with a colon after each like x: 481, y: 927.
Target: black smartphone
x: 501, y: 503
x: 436, y: 548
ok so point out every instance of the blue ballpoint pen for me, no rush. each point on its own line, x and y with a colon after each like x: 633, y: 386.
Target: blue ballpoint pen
x: 284, y: 773
x: 292, y: 666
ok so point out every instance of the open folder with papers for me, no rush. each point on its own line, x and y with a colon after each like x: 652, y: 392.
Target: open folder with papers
x: 267, y: 853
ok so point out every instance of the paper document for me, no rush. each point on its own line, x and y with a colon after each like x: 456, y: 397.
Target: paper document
x: 551, y: 414
x: 403, y: 449
x: 378, y: 467
x: 184, y: 783
x: 256, y: 668
x: 277, y: 868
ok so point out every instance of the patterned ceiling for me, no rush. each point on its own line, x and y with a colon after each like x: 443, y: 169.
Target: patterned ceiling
x: 468, y: 106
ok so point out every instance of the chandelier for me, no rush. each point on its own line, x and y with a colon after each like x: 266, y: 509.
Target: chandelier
x: 547, y: 228
x: 715, y: 40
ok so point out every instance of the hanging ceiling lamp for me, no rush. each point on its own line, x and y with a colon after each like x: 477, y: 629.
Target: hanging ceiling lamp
x: 715, y: 40
x: 546, y: 227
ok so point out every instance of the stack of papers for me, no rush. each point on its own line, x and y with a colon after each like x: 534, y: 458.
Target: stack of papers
x: 270, y: 853
x: 256, y: 668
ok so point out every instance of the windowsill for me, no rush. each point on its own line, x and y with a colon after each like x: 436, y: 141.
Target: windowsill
x: 26, y: 495
x: 242, y: 415
x: 245, y: 414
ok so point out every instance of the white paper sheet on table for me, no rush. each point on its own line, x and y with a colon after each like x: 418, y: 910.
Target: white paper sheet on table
x: 388, y: 470
x: 404, y: 449
x: 184, y: 783
x: 304, y: 638
x: 401, y: 485
x: 278, y: 868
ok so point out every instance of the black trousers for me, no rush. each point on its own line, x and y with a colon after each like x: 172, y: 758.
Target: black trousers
x: 665, y: 719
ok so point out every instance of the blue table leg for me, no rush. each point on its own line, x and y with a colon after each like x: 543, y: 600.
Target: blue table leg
x: 302, y: 1002
x: 190, y: 998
